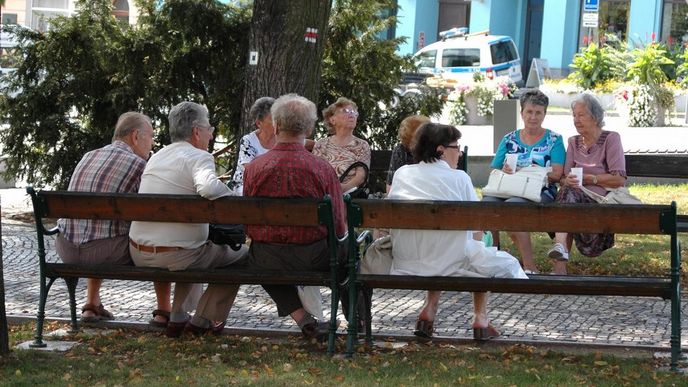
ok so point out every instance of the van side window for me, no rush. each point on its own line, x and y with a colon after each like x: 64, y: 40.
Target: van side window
x: 503, y: 52
x: 461, y: 57
x: 426, y: 59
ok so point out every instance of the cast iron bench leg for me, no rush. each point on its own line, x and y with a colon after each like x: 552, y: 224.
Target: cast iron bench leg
x: 71, y: 288
x: 40, y: 316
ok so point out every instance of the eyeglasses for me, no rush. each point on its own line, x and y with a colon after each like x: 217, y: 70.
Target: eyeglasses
x: 211, y: 129
x: 452, y: 146
x: 350, y: 111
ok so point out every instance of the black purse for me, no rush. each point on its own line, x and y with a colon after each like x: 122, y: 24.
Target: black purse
x: 361, y: 192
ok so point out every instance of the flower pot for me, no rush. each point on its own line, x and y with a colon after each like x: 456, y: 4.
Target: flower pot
x: 472, y: 117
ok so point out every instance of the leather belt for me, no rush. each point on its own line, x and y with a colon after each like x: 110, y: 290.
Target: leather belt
x: 153, y: 249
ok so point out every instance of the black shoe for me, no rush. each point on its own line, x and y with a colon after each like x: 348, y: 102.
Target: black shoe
x: 316, y: 330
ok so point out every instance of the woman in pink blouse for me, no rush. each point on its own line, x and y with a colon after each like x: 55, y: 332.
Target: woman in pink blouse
x: 342, y: 148
x: 600, y: 154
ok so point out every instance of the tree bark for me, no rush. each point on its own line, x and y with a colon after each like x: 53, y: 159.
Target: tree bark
x: 289, y: 39
x: 4, y: 335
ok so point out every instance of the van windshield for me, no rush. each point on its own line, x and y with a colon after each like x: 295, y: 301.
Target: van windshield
x: 461, y: 57
x: 426, y: 59
x: 503, y: 52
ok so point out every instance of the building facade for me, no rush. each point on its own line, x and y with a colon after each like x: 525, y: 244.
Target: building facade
x: 36, y: 14
x: 550, y: 29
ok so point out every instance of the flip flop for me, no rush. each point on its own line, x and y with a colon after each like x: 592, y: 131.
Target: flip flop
x: 424, y: 328
x: 485, y: 334
x: 159, y: 324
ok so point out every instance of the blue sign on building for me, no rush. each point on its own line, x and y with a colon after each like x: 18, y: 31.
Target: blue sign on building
x: 591, y: 5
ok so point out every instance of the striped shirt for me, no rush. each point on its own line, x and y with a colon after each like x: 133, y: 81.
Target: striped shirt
x: 113, y: 168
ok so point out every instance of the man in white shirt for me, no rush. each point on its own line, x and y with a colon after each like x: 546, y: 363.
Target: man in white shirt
x: 186, y: 167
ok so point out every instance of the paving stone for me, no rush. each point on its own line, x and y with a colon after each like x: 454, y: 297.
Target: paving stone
x: 599, y: 319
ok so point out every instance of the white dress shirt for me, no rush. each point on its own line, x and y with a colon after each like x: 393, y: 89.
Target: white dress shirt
x: 179, y: 168
x: 438, y: 252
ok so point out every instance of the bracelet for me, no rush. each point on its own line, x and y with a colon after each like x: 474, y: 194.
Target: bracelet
x: 594, y: 179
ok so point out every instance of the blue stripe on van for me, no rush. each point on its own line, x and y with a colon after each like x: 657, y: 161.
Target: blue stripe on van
x: 503, y: 66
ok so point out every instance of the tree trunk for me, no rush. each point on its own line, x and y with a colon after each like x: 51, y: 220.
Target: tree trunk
x: 288, y: 38
x: 4, y: 335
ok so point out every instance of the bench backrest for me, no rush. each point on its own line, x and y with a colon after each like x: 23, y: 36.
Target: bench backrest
x: 667, y: 166
x: 182, y: 208
x: 449, y: 215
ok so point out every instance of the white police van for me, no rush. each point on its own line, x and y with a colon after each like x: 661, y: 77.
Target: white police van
x: 458, y: 55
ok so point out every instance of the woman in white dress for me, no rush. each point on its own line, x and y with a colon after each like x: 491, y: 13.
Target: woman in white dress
x: 444, y: 253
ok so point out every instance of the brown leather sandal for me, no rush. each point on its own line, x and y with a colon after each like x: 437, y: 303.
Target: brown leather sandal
x: 424, y: 328
x: 159, y: 324
x: 99, y: 313
x: 485, y: 334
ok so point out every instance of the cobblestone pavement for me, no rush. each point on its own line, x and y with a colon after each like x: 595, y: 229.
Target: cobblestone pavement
x: 631, y: 321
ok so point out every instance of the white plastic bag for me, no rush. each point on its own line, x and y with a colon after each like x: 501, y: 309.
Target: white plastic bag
x: 311, y: 301
x: 491, y: 262
x: 378, y: 257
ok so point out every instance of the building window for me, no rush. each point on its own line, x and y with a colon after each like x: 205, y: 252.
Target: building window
x: 9, y: 18
x: 675, y: 22
x: 55, y: 4
x: 612, y: 22
x: 121, y: 11
x: 44, y: 10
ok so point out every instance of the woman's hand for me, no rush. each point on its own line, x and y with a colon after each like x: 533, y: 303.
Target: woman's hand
x: 571, y: 180
x: 507, y: 169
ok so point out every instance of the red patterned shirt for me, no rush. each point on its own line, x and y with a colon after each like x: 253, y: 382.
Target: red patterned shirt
x: 288, y: 170
x: 113, y: 168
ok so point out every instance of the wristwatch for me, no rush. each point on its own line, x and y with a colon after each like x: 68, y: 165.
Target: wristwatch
x: 594, y: 179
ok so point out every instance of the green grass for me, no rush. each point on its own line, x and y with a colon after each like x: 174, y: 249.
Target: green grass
x: 145, y: 358
x: 633, y: 254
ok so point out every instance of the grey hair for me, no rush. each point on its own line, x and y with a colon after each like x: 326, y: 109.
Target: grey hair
x: 260, y: 108
x: 593, y: 105
x: 128, y: 122
x: 294, y: 113
x: 183, y: 117
x: 534, y: 97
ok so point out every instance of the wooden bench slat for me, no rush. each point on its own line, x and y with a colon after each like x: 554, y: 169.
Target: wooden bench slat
x: 180, y: 208
x: 665, y: 166
x: 226, y: 276
x: 438, y: 215
x: 536, y: 284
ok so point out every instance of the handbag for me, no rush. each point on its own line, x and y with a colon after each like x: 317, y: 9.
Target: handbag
x: 377, y: 258
x: 619, y: 195
x: 360, y: 192
x: 526, y: 183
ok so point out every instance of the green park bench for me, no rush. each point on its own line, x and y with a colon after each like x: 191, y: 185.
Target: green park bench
x: 623, y: 219
x: 184, y: 209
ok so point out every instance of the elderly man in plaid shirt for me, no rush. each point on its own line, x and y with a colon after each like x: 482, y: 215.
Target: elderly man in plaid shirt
x: 116, y: 167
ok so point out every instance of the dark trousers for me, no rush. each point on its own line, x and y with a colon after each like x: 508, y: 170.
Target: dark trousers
x: 273, y: 256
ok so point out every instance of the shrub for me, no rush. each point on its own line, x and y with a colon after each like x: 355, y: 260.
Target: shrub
x: 595, y: 64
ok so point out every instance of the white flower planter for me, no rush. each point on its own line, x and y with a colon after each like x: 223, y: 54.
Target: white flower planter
x: 472, y: 117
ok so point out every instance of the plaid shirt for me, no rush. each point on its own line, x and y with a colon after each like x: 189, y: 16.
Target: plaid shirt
x: 113, y: 168
x: 290, y: 171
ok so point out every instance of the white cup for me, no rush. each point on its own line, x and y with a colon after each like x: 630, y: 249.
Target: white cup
x: 579, y: 175
x: 511, y: 159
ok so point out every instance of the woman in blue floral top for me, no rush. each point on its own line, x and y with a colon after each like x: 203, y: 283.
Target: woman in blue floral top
x: 534, y: 145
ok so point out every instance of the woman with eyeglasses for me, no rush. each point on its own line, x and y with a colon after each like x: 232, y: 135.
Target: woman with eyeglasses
x: 342, y: 149
x: 533, y: 145
x: 255, y: 143
x: 443, y: 253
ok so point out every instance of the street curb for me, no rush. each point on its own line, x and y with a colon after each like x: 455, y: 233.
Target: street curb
x: 502, y: 342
